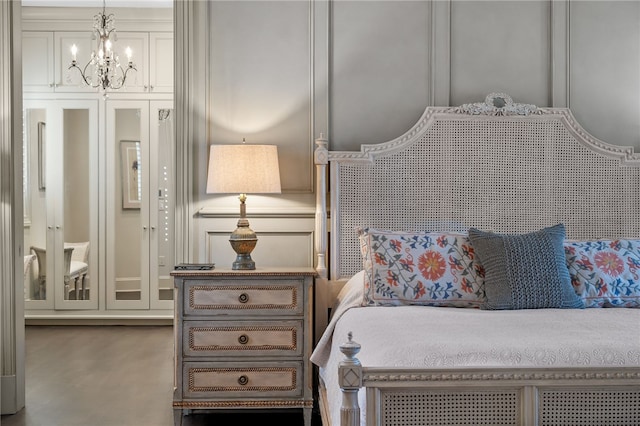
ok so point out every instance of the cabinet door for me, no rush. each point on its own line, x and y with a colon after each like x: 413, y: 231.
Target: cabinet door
x: 128, y: 227
x: 137, y: 79
x: 70, y: 79
x: 161, y: 62
x: 61, y: 161
x: 37, y: 61
x: 162, y: 204
x: 140, y: 204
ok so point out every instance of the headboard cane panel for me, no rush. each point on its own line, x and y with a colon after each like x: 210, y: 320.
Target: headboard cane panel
x: 495, y: 165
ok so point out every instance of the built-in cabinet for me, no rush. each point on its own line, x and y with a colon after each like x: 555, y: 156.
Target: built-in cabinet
x: 99, y: 196
x: 76, y: 220
x: 47, y: 57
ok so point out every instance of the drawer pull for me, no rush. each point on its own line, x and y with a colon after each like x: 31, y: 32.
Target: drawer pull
x: 243, y: 339
x: 243, y: 380
x: 243, y: 298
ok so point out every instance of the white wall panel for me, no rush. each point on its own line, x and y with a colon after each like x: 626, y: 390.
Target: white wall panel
x: 260, y: 81
x: 604, y: 63
x: 281, y: 242
x: 380, y: 69
x: 500, y: 46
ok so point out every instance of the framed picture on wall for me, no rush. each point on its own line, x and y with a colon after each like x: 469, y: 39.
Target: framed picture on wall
x: 130, y: 173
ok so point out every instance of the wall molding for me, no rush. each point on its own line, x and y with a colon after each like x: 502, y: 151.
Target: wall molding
x: 261, y: 212
x: 81, y: 18
x: 560, y: 45
x: 440, y: 60
x: 191, y: 59
x: 320, y: 62
x: 11, y: 217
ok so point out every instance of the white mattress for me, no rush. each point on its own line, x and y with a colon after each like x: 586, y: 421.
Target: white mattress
x: 419, y: 336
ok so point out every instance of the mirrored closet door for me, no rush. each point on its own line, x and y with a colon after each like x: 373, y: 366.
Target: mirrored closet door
x: 140, y: 204
x: 61, y: 204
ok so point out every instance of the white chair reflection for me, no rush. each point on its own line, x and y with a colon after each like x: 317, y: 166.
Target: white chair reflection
x: 28, y: 261
x: 76, y: 267
x: 79, y: 268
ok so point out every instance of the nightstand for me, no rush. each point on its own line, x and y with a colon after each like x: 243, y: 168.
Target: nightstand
x: 243, y: 340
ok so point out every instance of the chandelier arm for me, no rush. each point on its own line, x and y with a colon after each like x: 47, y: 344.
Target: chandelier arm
x: 82, y: 73
x: 110, y: 84
x: 124, y: 75
x: 84, y: 77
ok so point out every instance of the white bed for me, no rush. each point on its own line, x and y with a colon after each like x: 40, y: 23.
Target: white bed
x: 499, y: 166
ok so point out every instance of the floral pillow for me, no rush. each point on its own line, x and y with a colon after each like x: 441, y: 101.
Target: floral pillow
x: 605, y: 273
x: 420, y: 268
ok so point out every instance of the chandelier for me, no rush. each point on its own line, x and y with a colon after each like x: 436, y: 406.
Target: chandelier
x: 103, y: 71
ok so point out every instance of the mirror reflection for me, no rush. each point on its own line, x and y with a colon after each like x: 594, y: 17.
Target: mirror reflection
x: 57, y: 232
x: 166, y: 203
x: 130, y: 172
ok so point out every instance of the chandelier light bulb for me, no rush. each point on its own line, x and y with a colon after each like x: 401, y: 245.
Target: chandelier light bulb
x: 74, y: 51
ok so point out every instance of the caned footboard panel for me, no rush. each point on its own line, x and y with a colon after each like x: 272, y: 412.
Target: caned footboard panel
x: 589, y: 406
x: 450, y: 407
x: 495, y: 398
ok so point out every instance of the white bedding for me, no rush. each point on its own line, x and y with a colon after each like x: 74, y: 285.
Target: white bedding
x: 420, y: 336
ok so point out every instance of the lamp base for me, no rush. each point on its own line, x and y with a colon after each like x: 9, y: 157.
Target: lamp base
x: 243, y: 262
x: 243, y: 240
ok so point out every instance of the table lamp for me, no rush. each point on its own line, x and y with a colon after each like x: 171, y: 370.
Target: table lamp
x: 243, y: 169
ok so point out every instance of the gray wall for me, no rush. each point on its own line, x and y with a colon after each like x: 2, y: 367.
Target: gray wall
x: 363, y: 71
x: 381, y: 62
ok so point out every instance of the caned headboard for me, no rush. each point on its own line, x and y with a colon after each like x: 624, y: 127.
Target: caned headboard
x: 496, y: 165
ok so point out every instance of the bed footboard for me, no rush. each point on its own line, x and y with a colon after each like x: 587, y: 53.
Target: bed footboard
x: 528, y: 397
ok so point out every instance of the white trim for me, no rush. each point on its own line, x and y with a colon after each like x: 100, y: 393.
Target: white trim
x: 440, y: 59
x: 560, y: 53
x: 11, y: 217
x: 319, y: 71
x: 81, y: 19
x: 262, y: 212
x: 191, y: 53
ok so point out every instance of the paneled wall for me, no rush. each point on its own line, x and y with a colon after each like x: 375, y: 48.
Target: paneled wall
x: 363, y: 72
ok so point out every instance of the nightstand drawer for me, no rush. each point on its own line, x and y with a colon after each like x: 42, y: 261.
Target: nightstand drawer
x: 242, y: 338
x: 233, y: 380
x: 235, y: 297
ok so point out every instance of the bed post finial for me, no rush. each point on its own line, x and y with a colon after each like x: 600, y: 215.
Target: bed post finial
x: 350, y: 381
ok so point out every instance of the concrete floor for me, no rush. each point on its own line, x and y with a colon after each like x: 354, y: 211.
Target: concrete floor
x: 111, y: 376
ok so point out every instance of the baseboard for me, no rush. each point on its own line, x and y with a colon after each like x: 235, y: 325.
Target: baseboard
x: 98, y: 321
x: 8, y: 400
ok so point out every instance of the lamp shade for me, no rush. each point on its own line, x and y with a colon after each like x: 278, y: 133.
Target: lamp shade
x: 243, y: 169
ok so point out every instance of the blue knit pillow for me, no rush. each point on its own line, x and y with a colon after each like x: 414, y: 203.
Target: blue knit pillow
x: 527, y: 271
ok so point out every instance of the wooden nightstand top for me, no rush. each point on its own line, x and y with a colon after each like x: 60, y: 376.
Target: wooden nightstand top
x: 258, y: 272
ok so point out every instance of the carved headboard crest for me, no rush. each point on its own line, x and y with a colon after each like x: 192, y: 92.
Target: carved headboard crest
x: 497, y: 104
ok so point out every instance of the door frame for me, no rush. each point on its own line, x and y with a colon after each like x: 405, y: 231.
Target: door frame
x: 12, y: 350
